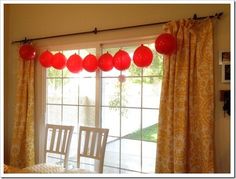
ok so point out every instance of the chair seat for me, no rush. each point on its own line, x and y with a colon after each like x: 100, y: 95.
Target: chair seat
x: 79, y: 170
x: 45, y: 168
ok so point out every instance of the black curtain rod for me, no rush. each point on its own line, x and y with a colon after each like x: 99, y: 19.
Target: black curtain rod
x: 95, y: 31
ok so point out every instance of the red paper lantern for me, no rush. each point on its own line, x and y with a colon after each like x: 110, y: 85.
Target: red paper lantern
x: 105, y: 62
x: 27, y: 52
x: 142, y: 56
x: 46, y: 59
x: 58, y: 61
x: 166, y: 44
x: 121, y: 60
x: 74, y: 63
x: 90, y: 63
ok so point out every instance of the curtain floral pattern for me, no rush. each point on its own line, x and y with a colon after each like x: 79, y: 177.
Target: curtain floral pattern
x: 186, y: 126
x: 22, y: 147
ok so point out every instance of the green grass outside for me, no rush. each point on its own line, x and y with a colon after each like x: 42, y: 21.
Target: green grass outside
x: 148, y: 134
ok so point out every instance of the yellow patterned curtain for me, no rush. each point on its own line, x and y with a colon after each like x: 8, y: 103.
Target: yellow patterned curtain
x: 22, y: 147
x: 186, y: 126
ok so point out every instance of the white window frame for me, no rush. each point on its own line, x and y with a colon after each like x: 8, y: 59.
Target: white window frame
x: 41, y: 84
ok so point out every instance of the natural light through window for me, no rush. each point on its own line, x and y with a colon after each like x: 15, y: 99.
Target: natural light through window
x: 125, y: 102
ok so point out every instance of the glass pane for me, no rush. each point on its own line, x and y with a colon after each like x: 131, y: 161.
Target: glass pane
x: 133, y: 70
x: 112, y: 152
x: 73, y: 150
x: 84, y: 52
x: 130, y: 50
x: 72, y: 164
x: 87, y: 116
x: 70, y: 116
x: 54, y: 114
x: 156, y: 67
x: 110, y: 92
x: 54, y: 91
x: 87, y: 163
x: 85, y: 74
x: 150, y: 120
x: 87, y: 87
x: 151, y: 92
x: 67, y: 73
x: 52, y: 72
x: 149, y: 157
x: 55, y: 159
x: 130, y: 123
x: 70, y: 90
x: 130, y: 154
x: 68, y: 53
x: 111, y: 120
x: 131, y: 92
x: 112, y: 73
x: 110, y: 170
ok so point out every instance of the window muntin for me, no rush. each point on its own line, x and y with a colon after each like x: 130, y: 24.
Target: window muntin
x: 130, y: 109
x: 71, y: 99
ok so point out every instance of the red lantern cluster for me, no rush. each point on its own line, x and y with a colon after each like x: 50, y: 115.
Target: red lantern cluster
x: 166, y: 44
x: 27, y: 52
x: 121, y: 61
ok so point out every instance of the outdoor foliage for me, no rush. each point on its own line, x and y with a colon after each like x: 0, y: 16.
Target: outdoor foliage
x: 148, y: 134
x: 114, y: 103
x: 53, y: 74
x: 155, y: 69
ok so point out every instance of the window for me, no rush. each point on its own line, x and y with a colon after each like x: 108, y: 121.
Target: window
x: 129, y: 108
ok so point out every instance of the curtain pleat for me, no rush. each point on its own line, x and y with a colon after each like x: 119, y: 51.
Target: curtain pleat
x: 22, y: 147
x: 186, y: 126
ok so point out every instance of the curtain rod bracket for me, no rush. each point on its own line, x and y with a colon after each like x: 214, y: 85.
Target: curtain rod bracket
x: 95, y: 30
x: 195, y: 17
x: 25, y: 41
x: 218, y: 15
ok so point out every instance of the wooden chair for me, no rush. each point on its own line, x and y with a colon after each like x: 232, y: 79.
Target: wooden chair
x: 91, y: 144
x: 57, y: 141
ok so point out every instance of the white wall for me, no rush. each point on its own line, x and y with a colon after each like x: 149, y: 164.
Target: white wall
x: 45, y: 20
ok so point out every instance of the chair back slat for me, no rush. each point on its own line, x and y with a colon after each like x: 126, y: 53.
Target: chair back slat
x: 60, y: 140
x: 64, y: 141
x: 52, y: 139
x: 99, y: 145
x: 92, y: 144
x: 86, y: 143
